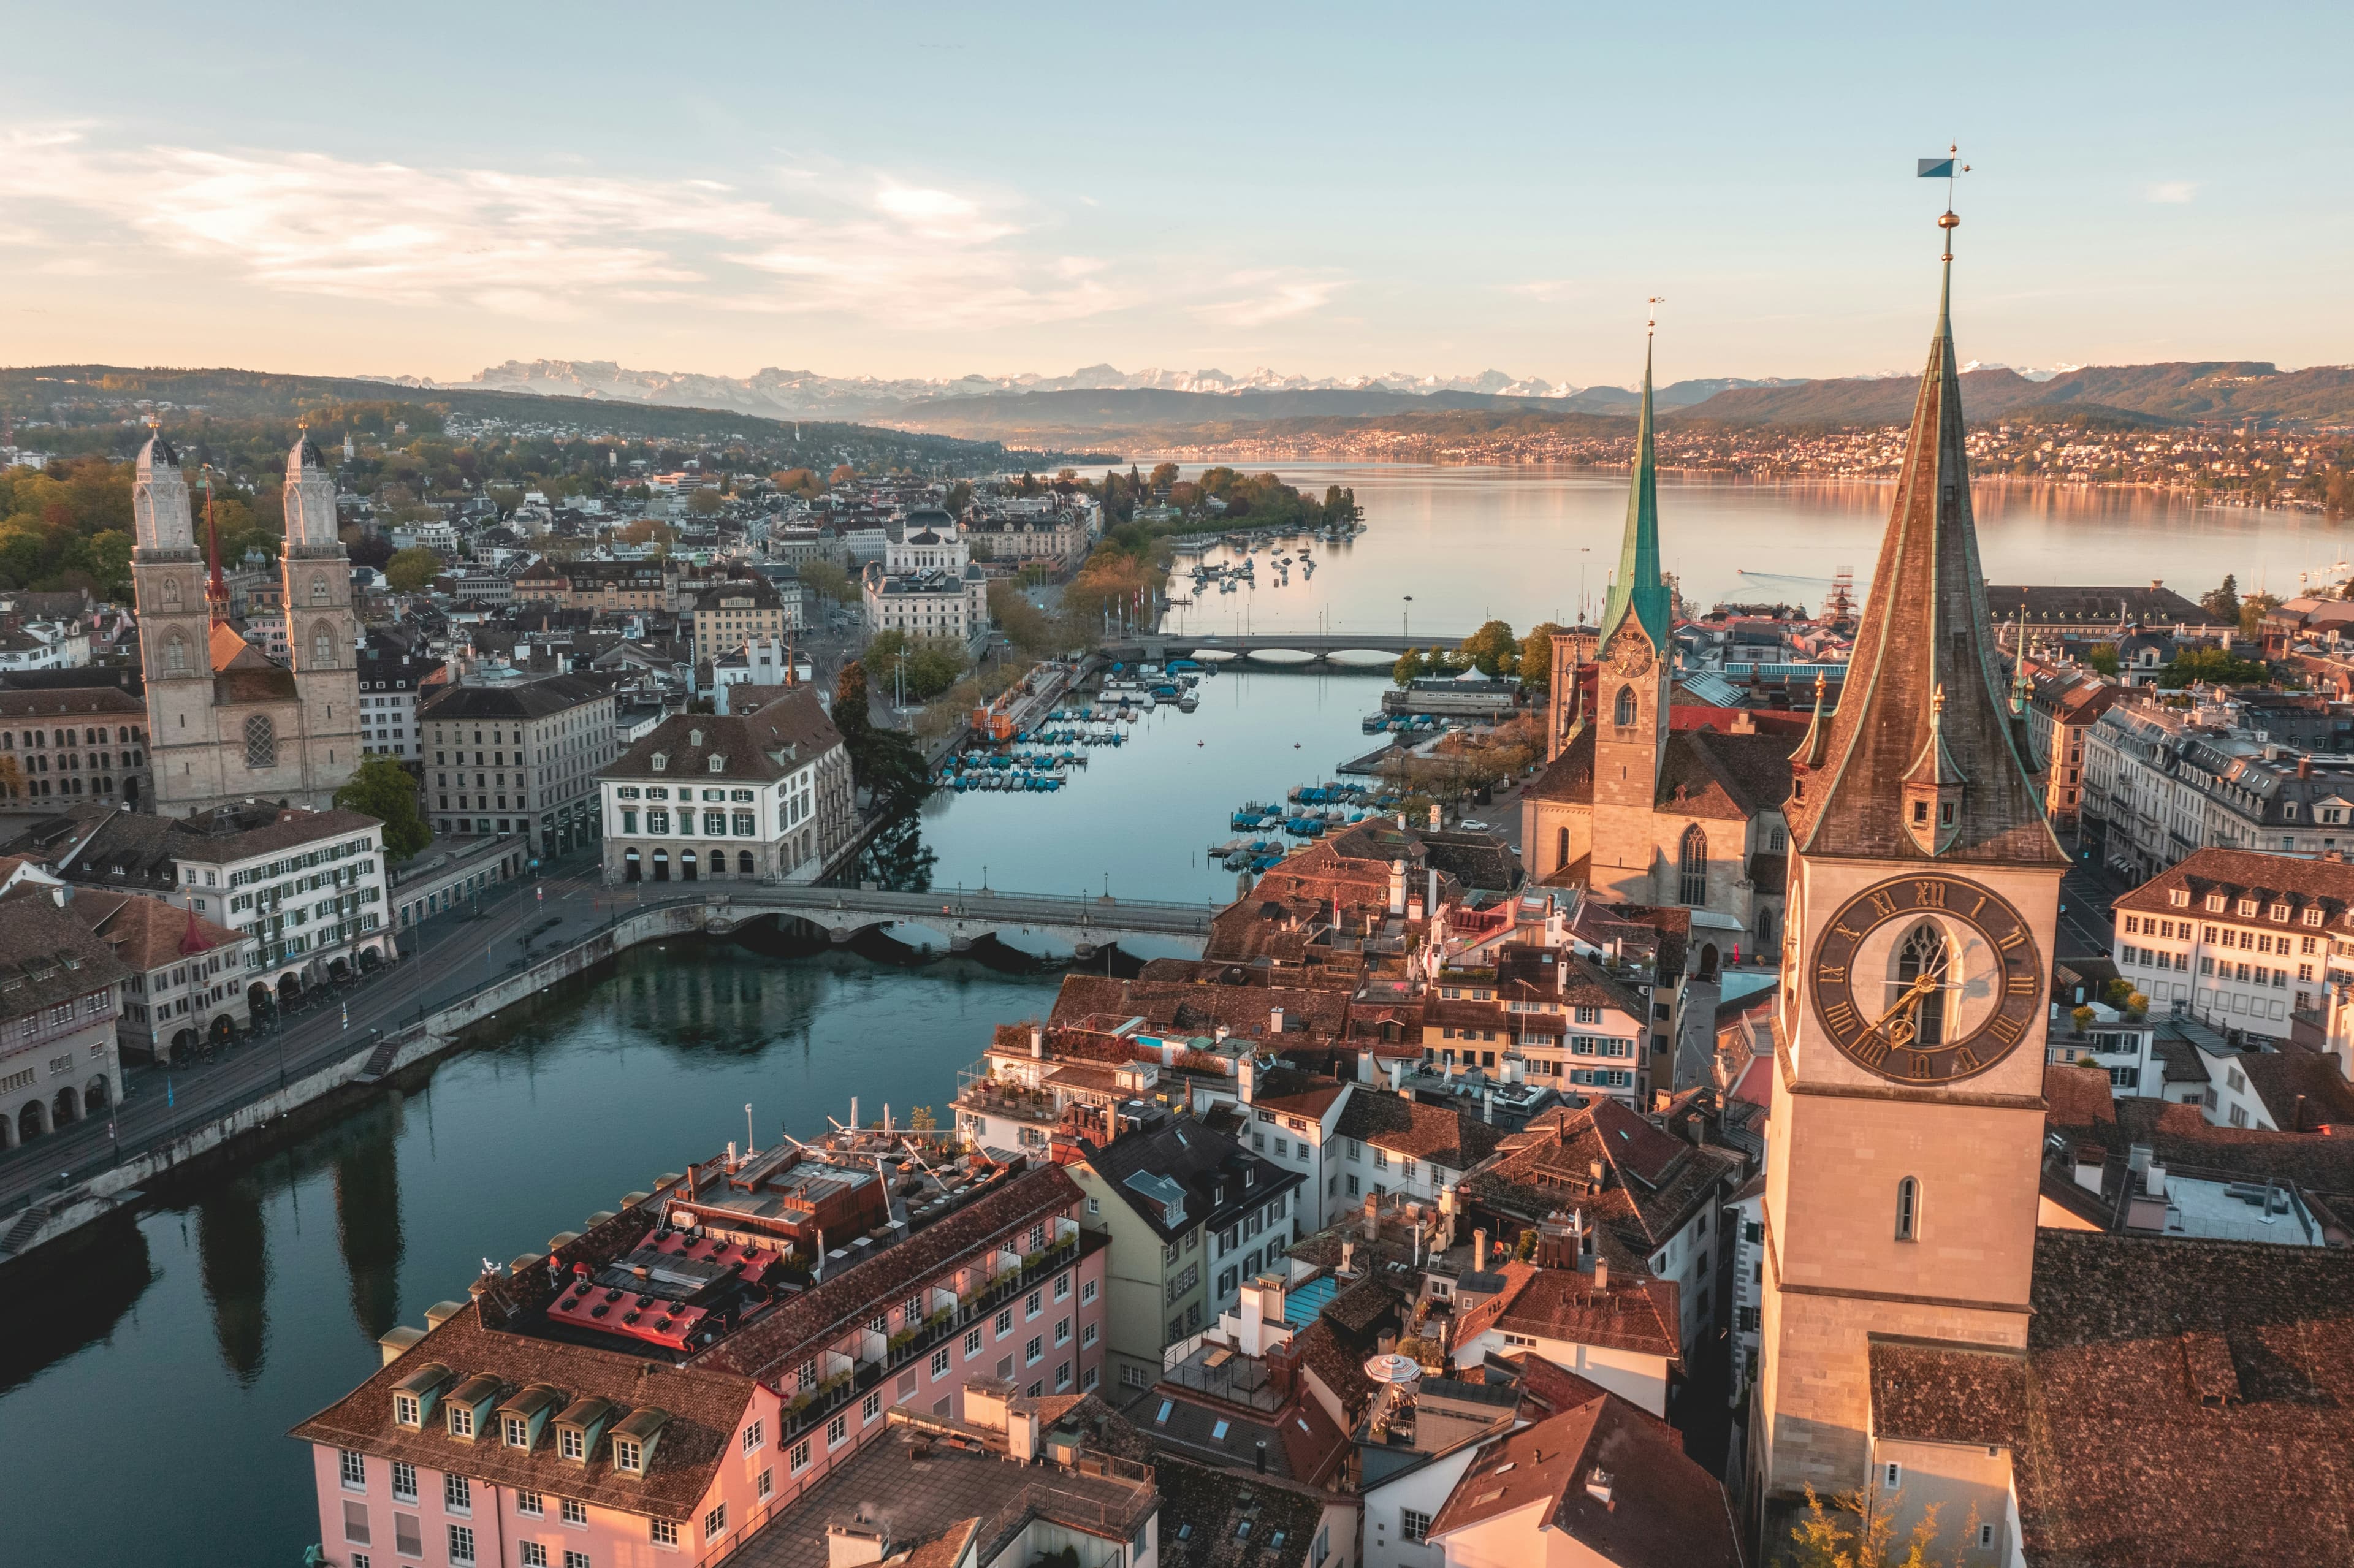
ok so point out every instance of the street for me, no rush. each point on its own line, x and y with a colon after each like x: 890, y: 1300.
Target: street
x: 444, y: 958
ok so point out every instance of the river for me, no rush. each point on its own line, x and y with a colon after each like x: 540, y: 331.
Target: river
x: 177, y: 1357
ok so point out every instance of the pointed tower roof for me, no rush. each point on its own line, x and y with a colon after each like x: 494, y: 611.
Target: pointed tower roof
x: 1925, y: 630
x: 1817, y: 740
x: 1637, y: 589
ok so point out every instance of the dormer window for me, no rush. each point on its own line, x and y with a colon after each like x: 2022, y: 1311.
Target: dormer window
x: 461, y: 1421
x: 2247, y: 908
x: 2313, y: 916
x: 2280, y: 912
x: 719, y: 763
x: 404, y: 1411
x: 569, y: 1443
x: 2214, y: 904
x: 2179, y: 897
x: 694, y: 738
x: 517, y: 1432
x: 628, y: 1457
x: 662, y: 762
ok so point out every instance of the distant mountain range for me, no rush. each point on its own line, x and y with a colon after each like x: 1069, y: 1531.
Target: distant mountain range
x: 1103, y: 400
x: 802, y: 394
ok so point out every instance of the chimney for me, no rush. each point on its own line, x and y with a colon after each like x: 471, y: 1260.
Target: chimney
x: 1398, y: 887
x: 1478, y: 1252
x: 1348, y: 1261
x: 1372, y: 1216
x: 1601, y: 1272
x: 1397, y: 1074
x: 1037, y: 1041
x: 1488, y: 1106
x: 2153, y: 1180
x: 1598, y: 1486
x: 1366, y: 1067
x: 1275, y: 1020
x: 1258, y: 1456
x: 854, y: 1545
x: 1434, y: 817
x: 1020, y: 1434
x: 1431, y: 900
x: 1246, y: 1069
x: 2305, y: 768
x: 2091, y: 1160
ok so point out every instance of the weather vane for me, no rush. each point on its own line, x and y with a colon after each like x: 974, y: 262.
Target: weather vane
x: 1948, y: 170
x: 1655, y: 301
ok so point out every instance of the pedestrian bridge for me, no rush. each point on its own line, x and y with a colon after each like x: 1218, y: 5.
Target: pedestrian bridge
x: 1318, y: 647
x: 1083, y: 922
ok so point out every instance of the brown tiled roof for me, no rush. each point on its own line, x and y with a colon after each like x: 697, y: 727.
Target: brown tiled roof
x: 240, y: 832
x: 1663, y: 1510
x: 770, y: 1348
x: 1735, y: 776
x: 2269, y: 879
x: 48, y: 957
x: 780, y: 738
x: 238, y: 687
x: 1290, y: 1092
x: 704, y: 1406
x: 1653, y: 1181
x: 516, y: 700
x: 2077, y: 1097
x: 1408, y: 1127
x: 1632, y: 1313
x: 2215, y: 1380
x: 1943, y: 1394
x: 1203, y: 1506
x: 2302, y: 1091
x: 148, y: 934
x: 17, y: 704
x: 1568, y: 778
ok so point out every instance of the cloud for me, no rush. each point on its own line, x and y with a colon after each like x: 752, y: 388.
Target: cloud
x: 1270, y: 296
x: 2174, y: 191
x: 544, y: 245
x: 1547, y: 290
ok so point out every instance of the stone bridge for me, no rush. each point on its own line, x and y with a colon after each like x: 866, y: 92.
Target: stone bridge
x: 1319, y: 647
x: 1085, y: 923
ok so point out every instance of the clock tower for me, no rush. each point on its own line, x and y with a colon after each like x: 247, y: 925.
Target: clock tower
x: 1635, y: 655
x: 1907, y: 1123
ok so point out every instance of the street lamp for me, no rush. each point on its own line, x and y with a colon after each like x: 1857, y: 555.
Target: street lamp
x: 1583, y: 551
x: 1403, y: 614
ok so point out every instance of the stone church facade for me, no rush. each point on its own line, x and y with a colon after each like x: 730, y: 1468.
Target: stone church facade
x: 1644, y: 800
x: 227, y: 723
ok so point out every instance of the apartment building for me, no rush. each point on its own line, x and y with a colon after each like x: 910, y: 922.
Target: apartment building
x: 60, y: 994
x: 1571, y: 1023
x: 187, y: 982
x: 1050, y: 533
x: 62, y: 747
x: 737, y: 609
x: 390, y: 681
x: 307, y: 886
x: 519, y: 758
x: 2243, y: 941
x: 764, y: 794
x: 2063, y: 703
x: 2164, y: 782
x: 1189, y: 1214
x: 927, y: 586
x: 521, y: 1428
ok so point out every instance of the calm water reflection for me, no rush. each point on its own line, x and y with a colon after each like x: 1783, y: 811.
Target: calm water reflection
x: 177, y: 1361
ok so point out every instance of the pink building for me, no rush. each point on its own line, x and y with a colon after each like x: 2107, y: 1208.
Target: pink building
x: 519, y: 1431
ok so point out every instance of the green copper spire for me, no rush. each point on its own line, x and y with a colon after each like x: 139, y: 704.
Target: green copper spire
x: 1637, y: 589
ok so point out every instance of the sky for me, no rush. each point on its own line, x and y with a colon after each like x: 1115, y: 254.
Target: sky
x: 919, y: 190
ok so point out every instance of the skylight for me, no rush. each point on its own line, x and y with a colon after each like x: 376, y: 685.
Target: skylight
x: 1162, y: 1419
x: 1219, y: 1433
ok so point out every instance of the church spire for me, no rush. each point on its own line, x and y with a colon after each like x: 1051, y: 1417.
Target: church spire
x: 216, y: 585
x: 1809, y: 754
x: 1925, y: 756
x: 1635, y: 589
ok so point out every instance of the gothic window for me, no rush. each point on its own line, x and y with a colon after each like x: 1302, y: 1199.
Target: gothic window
x: 171, y: 593
x: 1923, y: 953
x: 323, y: 646
x: 1691, y: 864
x: 1908, y: 1210
x: 260, y: 742
x: 1625, y: 714
x: 318, y: 589
x: 175, y: 655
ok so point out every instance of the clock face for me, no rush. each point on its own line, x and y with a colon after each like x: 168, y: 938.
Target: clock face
x: 1926, y: 979
x: 1630, y: 653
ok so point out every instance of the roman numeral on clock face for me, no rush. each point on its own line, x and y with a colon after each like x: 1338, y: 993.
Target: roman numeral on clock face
x: 2020, y: 985
x: 1882, y: 905
x: 1929, y: 896
x: 1838, y: 1018
x: 1830, y: 974
x: 1871, y: 1050
x: 2007, y: 1029
x: 1965, y: 1060
x: 2018, y: 934
x: 1921, y: 1066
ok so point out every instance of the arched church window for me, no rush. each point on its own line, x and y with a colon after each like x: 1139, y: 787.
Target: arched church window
x: 260, y: 742
x: 175, y: 655
x: 1908, y: 1210
x: 171, y: 593
x: 318, y: 589
x: 1691, y: 867
x: 1922, y: 956
x: 323, y: 646
x: 1624, y: 714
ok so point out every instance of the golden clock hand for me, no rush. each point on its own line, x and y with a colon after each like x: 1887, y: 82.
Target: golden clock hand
x: 1911, y: 993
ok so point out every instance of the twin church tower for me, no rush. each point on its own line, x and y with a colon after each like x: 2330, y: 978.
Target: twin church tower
x: 1917, y: 922
x: 227, y: 723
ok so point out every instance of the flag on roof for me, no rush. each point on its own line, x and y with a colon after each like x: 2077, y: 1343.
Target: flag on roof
x: 1934, y: 168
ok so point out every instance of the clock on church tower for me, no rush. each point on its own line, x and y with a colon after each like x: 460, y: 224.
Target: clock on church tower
x: 1905, y: 1137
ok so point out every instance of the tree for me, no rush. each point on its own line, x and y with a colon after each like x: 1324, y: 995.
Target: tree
x: 382, y: 788
x: 920, y: 668
x: 1536, y: 656
x: 411, y: 569
x: 2253, y: 610
x: 2223, y: 602
x: 921, y: 1119
x: 707, y: 502
x: 1493, y: 649
x: 882, y: 762
x: 2103, y: 656
x: 1408, y: 666
x: 830, y: 581
x: 2193, y: 665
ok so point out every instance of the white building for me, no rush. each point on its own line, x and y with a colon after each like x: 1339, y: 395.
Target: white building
x: 188, y: 981
x: 2164, y: 782
x: 763, y: 795
x: 309, y: 887
x: 45, y: 645
x: 927, y: 586
x: 2239, y: 939
x: 389, y: 683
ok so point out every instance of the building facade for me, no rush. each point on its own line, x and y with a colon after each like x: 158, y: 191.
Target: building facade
x: 519, y: 759
x: 389, y: 686
x: 2162, y: 783
x: 308, y: 886
x: 61, y: 747
x: 764, y: 795
x: 61, y: 997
